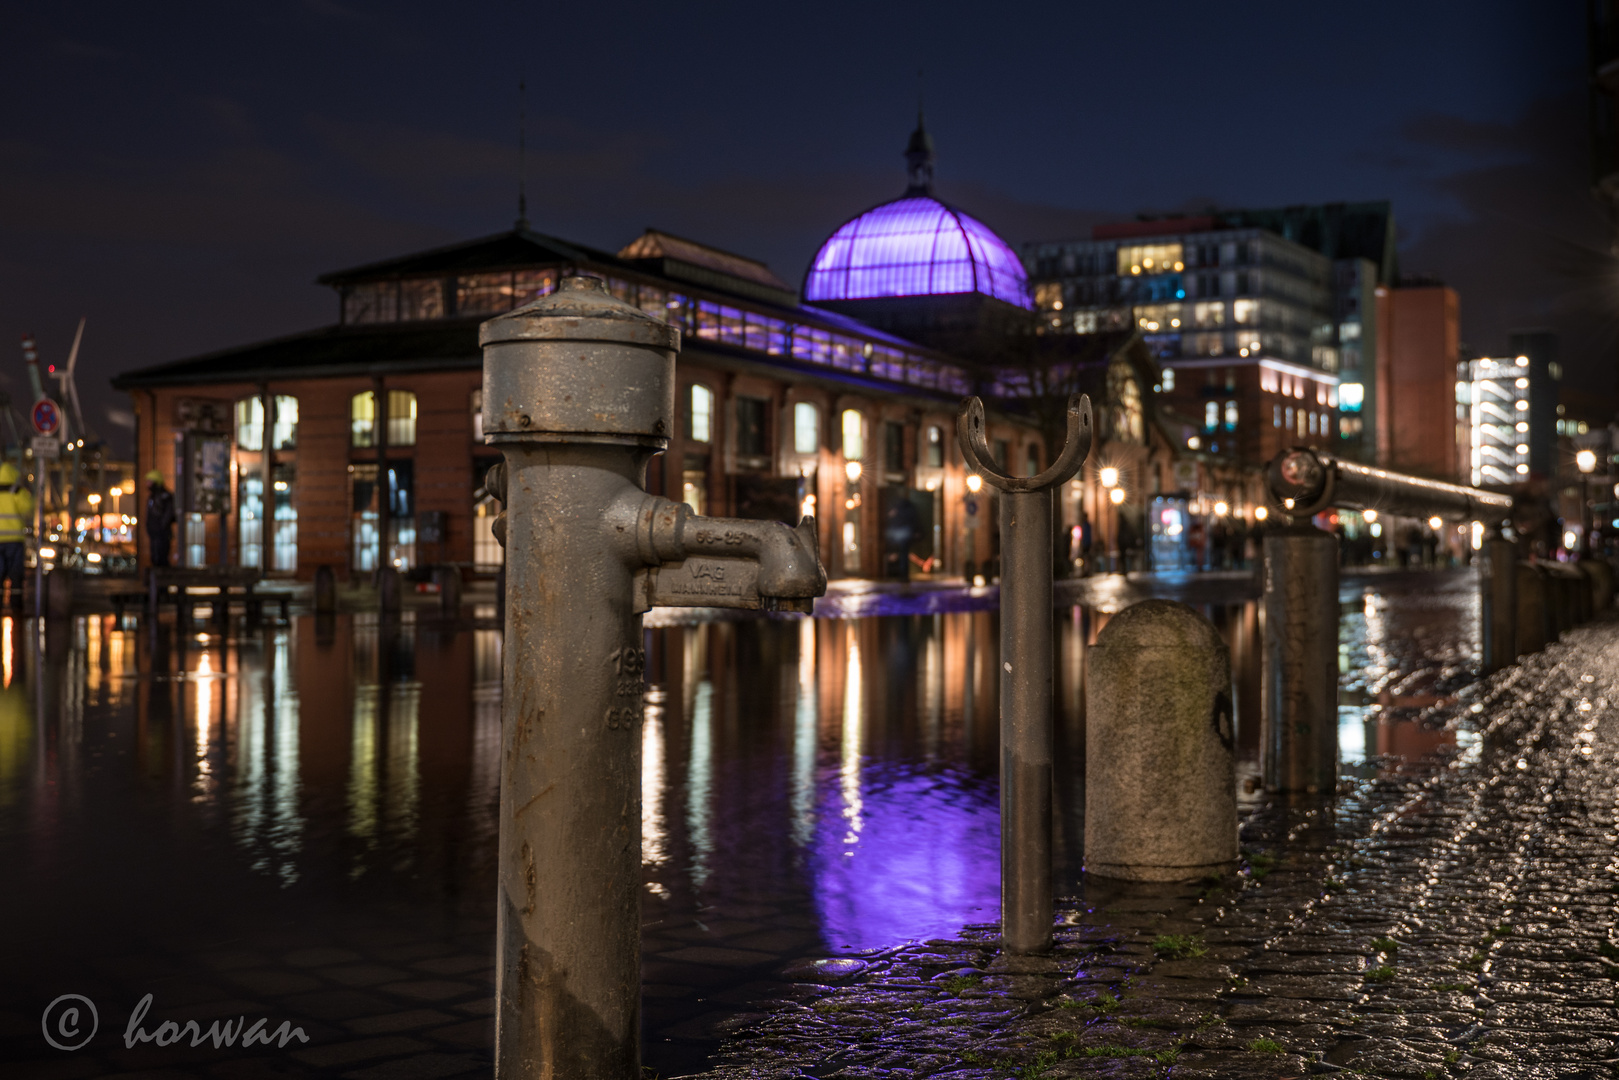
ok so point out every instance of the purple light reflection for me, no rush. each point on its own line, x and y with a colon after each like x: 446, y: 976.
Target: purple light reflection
x: 915, y: 246
x: 923, y: 861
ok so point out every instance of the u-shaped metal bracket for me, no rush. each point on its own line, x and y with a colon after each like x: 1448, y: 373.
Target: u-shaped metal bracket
x: 1076, y: 447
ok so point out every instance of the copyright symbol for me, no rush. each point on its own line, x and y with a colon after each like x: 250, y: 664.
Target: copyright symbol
x: 69, y: 1022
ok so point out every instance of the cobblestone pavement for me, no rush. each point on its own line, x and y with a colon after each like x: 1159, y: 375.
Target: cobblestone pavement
x: 1450, y: 919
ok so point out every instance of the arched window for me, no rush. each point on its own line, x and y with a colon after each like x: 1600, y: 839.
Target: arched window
x: 806, y: 428
x: 250, y: 423
x: 854, y: 435
x: 700, y: 416
x: 401, y: 419
x: 284, y: 432
x: 363, y: 419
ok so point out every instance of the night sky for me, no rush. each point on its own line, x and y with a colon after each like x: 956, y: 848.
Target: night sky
x: 180, y: 173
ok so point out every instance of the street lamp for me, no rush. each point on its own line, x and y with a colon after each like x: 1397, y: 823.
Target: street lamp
x: 852, y: 470
x: 975, y: 483
x: 1587, y: 462
x: 1109, y: 476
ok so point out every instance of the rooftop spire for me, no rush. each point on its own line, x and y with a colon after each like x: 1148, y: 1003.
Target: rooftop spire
x: 522, y: 154
x: 919, y: 158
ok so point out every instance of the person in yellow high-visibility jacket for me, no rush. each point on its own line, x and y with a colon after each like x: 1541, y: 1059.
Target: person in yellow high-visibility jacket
x: 16, y: 511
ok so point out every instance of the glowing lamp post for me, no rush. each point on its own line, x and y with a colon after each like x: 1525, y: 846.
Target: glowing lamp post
x: 1586, y: 460
x: 1109, y: 476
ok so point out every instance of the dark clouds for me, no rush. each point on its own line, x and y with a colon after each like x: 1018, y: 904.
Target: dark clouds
x: 1526, y: 243
x: 182, y: 177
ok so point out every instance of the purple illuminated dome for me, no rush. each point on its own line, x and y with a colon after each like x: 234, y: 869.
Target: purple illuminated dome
x: 916, y: 246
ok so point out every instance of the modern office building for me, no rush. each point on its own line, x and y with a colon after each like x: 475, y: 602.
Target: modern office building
x: 1512, y: 407
x: 1418, y: 353
x: 359, y: 444
x: 1227, y: 295
x: 1243, y: 321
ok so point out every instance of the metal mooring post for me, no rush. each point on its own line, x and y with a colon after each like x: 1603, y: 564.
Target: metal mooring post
x: 1300, y: 713
x: 1498, y: 594
x: 579, y: 395
x: 1026, y: 635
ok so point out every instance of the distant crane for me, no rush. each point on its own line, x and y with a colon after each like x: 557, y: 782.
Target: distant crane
x: 75, y: 435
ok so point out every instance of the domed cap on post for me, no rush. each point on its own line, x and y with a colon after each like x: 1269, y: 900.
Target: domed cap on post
x: 579, y: 365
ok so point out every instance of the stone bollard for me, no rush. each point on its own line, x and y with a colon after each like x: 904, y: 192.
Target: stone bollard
x: 59, y: 589
x: 1601, y: 584
x: 1534, y: 618
x: 1160, y: 768
x: 449, y: 590
x: 325, y: 590
x: 1498, y: 596
x: 1300, y: 661
x: 390, y: 588
x: 1562, y: 603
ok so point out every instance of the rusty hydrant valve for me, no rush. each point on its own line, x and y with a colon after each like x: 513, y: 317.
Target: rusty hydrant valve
x: 579, y: 396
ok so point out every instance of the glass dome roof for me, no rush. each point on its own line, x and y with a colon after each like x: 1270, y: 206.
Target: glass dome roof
x: 915, y: 246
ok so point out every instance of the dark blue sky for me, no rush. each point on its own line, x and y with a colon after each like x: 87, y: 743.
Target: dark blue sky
x: 181, y: 177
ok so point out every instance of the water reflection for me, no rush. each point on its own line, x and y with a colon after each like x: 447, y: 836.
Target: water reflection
x: 807, y: 785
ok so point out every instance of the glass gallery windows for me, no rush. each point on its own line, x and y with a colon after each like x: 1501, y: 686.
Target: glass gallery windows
x: 371, y: 491
x: 253, y: 522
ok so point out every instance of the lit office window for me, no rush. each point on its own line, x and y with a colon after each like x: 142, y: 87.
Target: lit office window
x: 1169, y: 378
x: 1211, y: 416
x: 934, y: 452
x: 1231, y: 416
x: 1276, y: 416
x: 1151, y: 259
x: 700, y: 419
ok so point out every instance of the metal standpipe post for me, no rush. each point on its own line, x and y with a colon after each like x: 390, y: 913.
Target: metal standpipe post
x: 579, y: 395
x: 1026, y: 680
x: 1299, y: 711
x: 1498, y: 601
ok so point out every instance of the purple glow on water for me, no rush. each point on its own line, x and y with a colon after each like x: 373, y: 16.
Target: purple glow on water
x: 915, y: 246
x: 905, y: 855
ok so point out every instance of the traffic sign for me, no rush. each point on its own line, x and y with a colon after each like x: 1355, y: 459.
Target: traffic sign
x: 47, y: 416
x: 47, y: 447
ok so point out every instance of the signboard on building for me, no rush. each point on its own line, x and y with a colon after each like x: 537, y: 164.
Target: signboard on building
x: 206, y: 415
x: 208, y: 476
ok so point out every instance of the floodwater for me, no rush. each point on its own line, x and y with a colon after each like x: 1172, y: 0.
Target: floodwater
x: 244, y: 817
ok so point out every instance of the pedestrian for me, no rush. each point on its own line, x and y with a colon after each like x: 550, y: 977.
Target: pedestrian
x: 16, y: 507
x: 160, y: 518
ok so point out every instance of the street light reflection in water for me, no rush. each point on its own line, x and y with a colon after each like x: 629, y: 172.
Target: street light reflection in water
x: 808, y: 785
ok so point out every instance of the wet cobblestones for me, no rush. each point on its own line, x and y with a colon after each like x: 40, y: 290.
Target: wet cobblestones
x: 1451, y: 918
